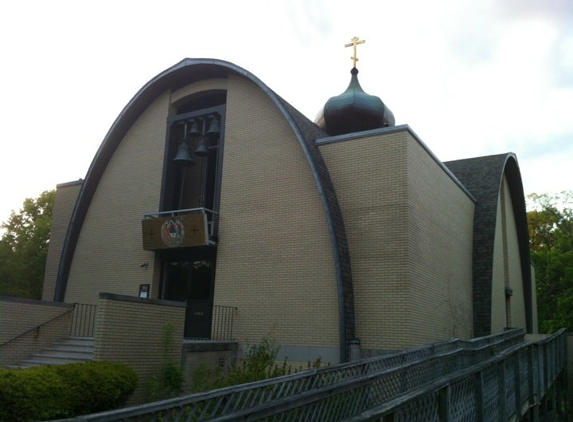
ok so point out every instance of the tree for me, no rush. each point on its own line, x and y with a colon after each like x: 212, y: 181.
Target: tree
x: 24, y: 247
x: 551, y: 242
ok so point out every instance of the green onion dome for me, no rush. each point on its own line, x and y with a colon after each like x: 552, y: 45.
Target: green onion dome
x: 354, y: 111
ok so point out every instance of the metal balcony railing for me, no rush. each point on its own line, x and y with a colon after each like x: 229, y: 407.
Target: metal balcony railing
x: 212, y: 218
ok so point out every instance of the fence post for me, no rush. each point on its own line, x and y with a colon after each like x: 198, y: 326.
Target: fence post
x: 533, y: 388
x: 517, y: 386
x: 566, y: 374
x: 545, y: 367
x: 502, y: 396
x: 444, y: 408
x: 480, y: 402
x: 354, y: 350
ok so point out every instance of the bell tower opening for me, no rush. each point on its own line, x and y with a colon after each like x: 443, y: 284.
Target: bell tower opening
x: 191, y: 187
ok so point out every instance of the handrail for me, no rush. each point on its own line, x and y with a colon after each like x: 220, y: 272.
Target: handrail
x: 83, y: 321
x: 387, y: 408
x: 407, y: 370
x: 36, y: 327
x: 173, y: 212
x: 212, y: 219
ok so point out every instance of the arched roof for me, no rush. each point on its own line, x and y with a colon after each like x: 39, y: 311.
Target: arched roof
x: 183, y: 73
x: 483, y: 177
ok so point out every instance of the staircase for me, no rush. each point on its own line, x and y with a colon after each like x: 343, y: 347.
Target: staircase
x: 73, y: 349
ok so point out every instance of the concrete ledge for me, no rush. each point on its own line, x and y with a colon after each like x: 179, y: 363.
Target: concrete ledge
x: 69, y: 184
x: 209, y: 346
x: 135, y: 299
x: 36, y: 302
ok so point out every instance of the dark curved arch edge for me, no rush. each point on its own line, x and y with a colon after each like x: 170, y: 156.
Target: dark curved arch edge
x: 483, y: 177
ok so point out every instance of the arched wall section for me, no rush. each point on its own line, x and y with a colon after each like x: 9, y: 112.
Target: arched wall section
x: 484, y: 177
x: 274, y: 256
x: 129, y: 187
x: 182, y: 74
x: 508, y: 299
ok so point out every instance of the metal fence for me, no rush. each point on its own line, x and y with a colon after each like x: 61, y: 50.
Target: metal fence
x: 498, y: 377
x: 83, y: 320
x: 526, y: 381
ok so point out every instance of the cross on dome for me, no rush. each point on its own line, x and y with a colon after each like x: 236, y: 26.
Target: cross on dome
x: 354, y: 43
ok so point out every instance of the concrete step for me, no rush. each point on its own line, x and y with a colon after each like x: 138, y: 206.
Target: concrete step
x: 76, y: 341
x: 41, y: 359
x: 63, y: 352
x: 67, y: 348
x: 14, y: 367
x: 74, y: 349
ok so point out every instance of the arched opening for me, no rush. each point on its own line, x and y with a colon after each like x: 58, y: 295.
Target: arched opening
x: 190, y: 192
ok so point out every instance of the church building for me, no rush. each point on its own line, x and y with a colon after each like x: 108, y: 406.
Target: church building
x: 211, y: 189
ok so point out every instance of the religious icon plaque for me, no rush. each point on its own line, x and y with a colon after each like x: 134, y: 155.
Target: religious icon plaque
x: 182, y: 231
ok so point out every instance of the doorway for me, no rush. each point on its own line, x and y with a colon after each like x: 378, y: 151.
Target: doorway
x: 189, y: 276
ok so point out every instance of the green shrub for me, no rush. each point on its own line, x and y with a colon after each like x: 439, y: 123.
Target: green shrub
x: 170, y: 381
x: 98, y: 386
x: 31, y: 394
x: 258, y: 363
x: 63, y: 391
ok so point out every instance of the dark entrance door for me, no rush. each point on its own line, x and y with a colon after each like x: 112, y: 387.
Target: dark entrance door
x: 190, y: 278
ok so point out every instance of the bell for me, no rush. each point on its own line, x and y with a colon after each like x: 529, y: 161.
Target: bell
x: 214, y: 127
x: 194, y: 131
x: 202, y: 149
x: 183, y: 155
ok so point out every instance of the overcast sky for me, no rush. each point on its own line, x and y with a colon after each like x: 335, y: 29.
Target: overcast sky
x: 470, y: 77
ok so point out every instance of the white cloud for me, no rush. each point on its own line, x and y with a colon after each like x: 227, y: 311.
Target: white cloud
x: 471, y: 78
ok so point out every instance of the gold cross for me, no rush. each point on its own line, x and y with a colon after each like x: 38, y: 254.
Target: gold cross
x: 354, y: 43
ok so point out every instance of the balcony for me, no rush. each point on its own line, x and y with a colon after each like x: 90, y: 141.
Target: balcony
x: 179, y: 229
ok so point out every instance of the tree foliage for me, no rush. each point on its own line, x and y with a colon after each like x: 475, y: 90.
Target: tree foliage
x: 551, y: 241
x: 24, y: 247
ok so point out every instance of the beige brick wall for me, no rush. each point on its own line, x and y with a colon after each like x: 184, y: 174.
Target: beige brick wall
x: 515, y: 275
x: 405, y: 218
x: 409, y: 229
x: 498, y: 312
x: 109, y: 253
x: 47, y: 321
x: 213, y: 355
x: 66, y: 195
x: 130, y: 331
x: 507, y: 267
x: 440, y: 237
x: 180, y: 96
x: 268, y: 195
x: 275, y: 261
x: 370, y: 178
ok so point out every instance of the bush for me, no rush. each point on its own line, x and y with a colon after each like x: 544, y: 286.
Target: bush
x: 64, y: 391
x: 31, y: 394
x: 98, y: 386
x: 171, y: 380
x: 258, y: 363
